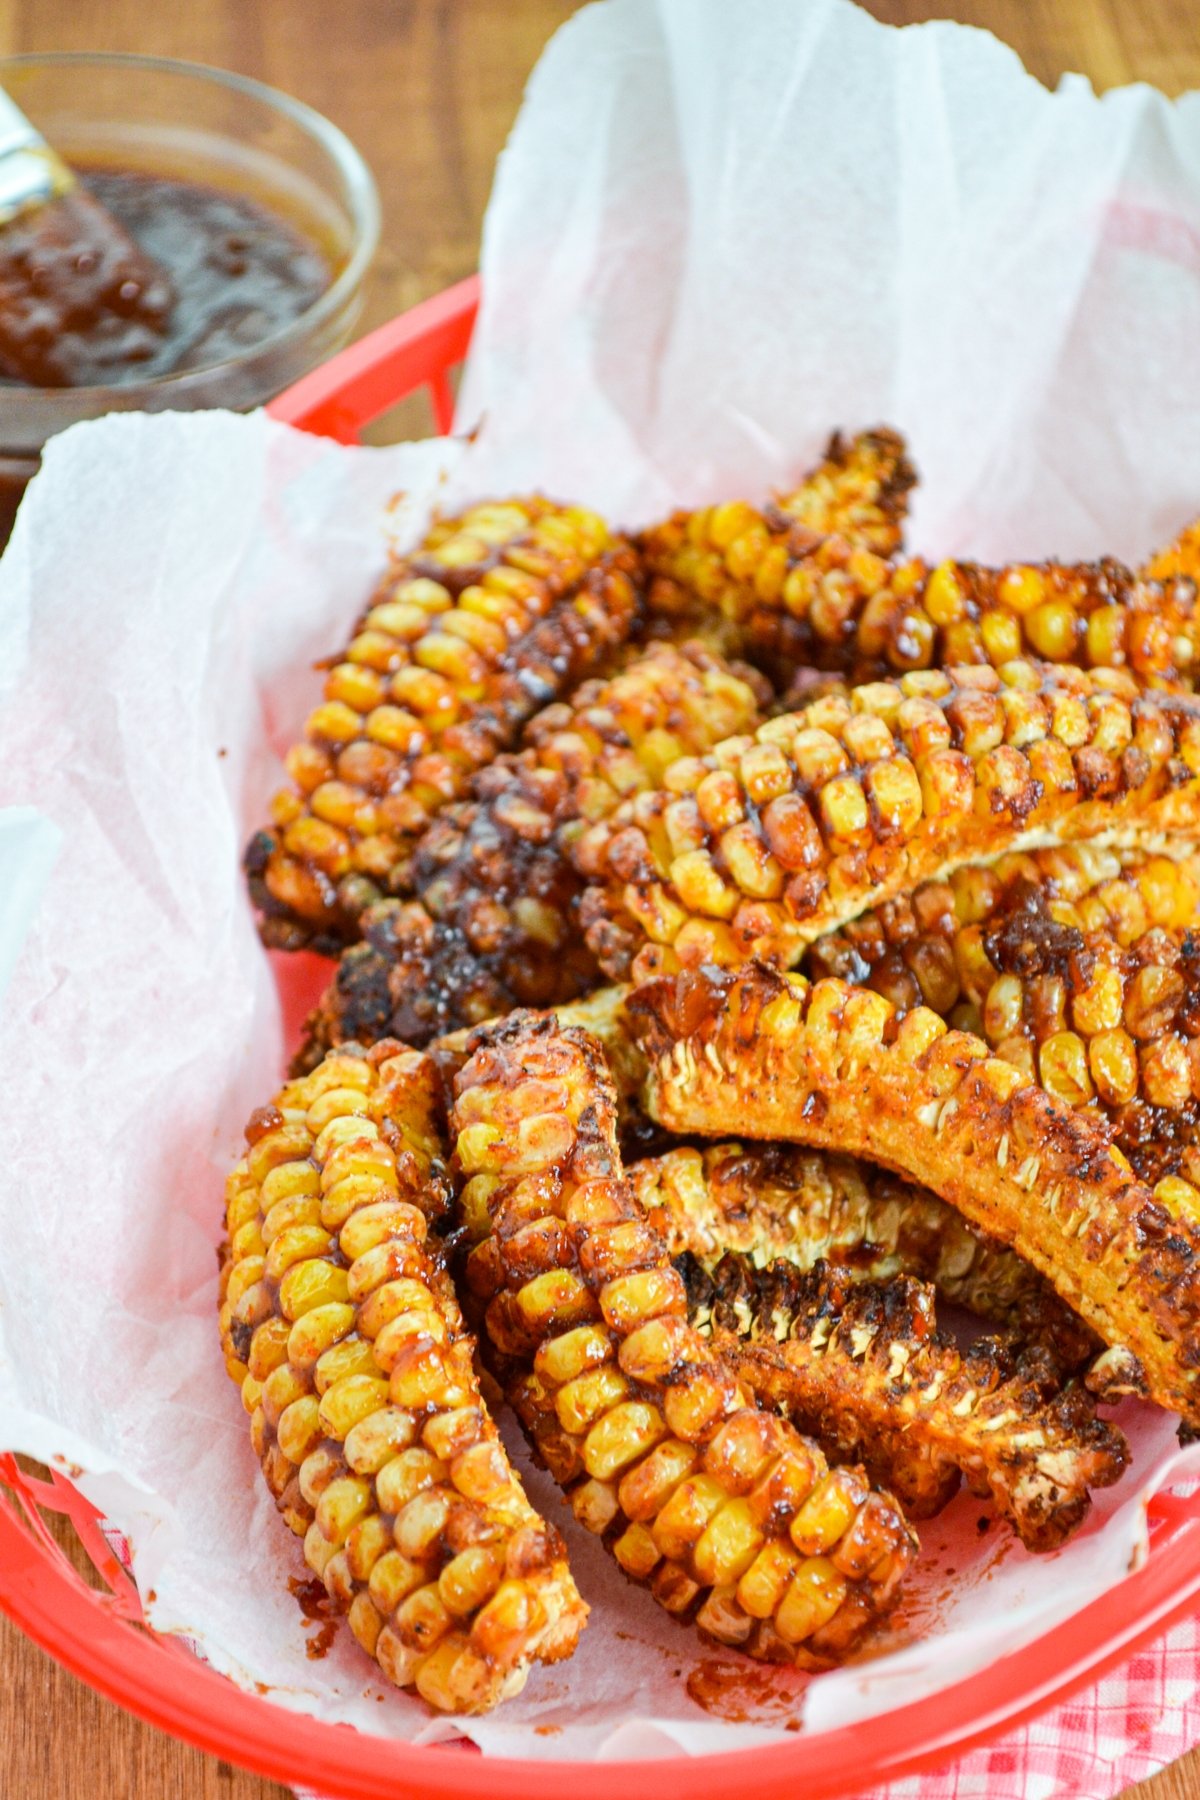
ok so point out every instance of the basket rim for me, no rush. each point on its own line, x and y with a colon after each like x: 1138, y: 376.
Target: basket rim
x: 182, y: 1695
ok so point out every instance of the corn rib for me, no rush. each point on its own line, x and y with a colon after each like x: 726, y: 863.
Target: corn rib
x: 772, y: 840
x: 496, y: 614
x: 342, y: 1329
x: 727, y: 1513
x: 495, y: 922
x: 832, y: 1065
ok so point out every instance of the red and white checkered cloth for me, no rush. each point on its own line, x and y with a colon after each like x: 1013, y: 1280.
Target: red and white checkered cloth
x: 1134, y: 1722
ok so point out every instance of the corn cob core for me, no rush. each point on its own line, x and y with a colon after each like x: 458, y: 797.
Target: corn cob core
x: 771, y: 1202
x: 773, y: 839
x: 726, y: 1512
x: 497, y: 613
x: 865, y: 1369
x: 1078, y: 965
x: 804, y: 587
x: 834, y: 1066
x: 341, y: 1326
x: 495, y: 925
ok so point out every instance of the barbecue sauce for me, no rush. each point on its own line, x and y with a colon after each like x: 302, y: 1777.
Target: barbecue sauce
x: 179, y: 276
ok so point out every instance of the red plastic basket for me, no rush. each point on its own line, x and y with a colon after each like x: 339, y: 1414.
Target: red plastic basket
x: 100, y: 1633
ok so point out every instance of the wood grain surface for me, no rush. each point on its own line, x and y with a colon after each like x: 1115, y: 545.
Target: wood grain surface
x: 428, y: 90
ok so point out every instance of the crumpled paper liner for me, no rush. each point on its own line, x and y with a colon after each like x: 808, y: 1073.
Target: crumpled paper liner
x: 716, y: 234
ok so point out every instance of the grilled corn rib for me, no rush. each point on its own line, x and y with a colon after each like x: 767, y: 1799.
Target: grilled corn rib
x: 1078, y: 965
x: 769, y: 841
x: 833, y: 1065
x: 495, y: 922
x: 727, y: 1512
x: 771, y: 1202
x: 837, y: 602
x: 859, y: 493
x: 342, y: 1329
x: 496, y: 613
x: 866, y: 1370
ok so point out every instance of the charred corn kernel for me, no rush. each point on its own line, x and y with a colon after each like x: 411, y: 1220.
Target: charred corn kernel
x: 649, y: 1432
x: 442, y: 671
x: 377, y: 1445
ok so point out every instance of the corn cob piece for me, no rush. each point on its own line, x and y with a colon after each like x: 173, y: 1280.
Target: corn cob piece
x: 496, y: 614
x: 1078, y: 965
x: 495, y: 924
x: 769, y: 841
x: 728, y: 1513
x: 859, y: 493
x: 781, y: 1202
x: 836, y: 602
x: 865, y: 1369
x: 833, y: 1065
x: 342, y: 1328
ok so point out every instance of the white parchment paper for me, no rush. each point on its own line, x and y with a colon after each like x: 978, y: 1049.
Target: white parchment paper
x: 717, y: 233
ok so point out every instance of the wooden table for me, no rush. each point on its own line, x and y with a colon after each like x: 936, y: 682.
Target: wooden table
x: 428, y: 90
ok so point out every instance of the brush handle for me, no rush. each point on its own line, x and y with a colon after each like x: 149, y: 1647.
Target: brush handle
x: 30, y: 171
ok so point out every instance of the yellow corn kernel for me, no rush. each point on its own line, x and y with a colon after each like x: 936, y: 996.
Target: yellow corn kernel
x: 560, y: 1359
x: 557, y: 1297
x: 1021, y: 589
x: 682, y: 1520
x: 1098, y: 1006
x: 583, y: 1400
x: 295, y: 1245
x: 730, y: 1542
x: 636, y: 1552
x: 944, y: 599
x: 503, y: 1627
x: 370, y: 1539
x: 645, y: 1490
x: 469, y: 1579
x: 344, y: 1502
x: 761, y: 1589
x: 1113, y: 1061
x: 813, y: 1597
x: 828, y: 1511
x: 317, y: 1331
x: 350, y: 1400
x: 631, y: 1300
x: 375, y: 1439
x: 1063, y: 1062
x: 365, y: 1622
x: 392, y: 1579
x: 298, y: 1431
x: 310, y: 1284
x: 1051, y: 629
x: 621, y: 1437
x: 405, y: 1476
x: 352, y: 1356
x: 420, y: 1523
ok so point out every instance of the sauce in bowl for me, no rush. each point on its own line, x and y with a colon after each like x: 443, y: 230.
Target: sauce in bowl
x: 239, y: 274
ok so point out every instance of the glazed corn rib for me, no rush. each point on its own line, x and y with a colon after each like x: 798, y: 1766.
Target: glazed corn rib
x: 771, y: 1203
x: 866, y: 1370
x: 497, y: 613
x: 341, y: 1326
x: 834, y: 601
x: 1079, y: 965
x: 495, y: 924
x: 771, y: 840
x: 834, y: 1066
x: 728, y: 1513
x: 857, y: 493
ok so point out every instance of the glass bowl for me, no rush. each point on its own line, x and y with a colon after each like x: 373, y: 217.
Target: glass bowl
x: 156, y: 116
